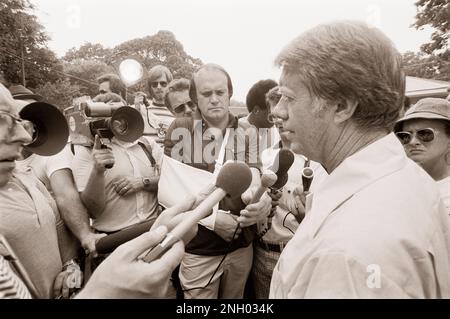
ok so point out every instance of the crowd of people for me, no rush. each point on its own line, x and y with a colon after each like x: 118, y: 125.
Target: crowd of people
x: 373, y: 223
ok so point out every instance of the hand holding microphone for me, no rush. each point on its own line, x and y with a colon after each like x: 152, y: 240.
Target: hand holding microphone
x: 281, y: 165
x: 227, y: 184
x: 169, y: 218
x: 301, y: 191
x: 259, y: 206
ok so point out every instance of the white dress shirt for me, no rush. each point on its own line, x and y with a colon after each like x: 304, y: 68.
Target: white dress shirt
x: 376, y: 229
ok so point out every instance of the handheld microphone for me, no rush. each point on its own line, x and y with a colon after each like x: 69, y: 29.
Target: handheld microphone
x: 107, y: 244
x: 233, y: 179
x: 281, y: 165
x: 268, y: 178
x: 307, y: 176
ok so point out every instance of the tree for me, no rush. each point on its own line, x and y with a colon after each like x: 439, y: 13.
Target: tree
x: 59, y: 93
x: 435, y: 13
x: 427, y: 66
x: 23, y: 44
x: 160, y: 48
x: 84, y: 73
x: 88, y: 51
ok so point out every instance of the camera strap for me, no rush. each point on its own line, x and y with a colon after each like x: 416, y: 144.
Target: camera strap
x: 147, y: 150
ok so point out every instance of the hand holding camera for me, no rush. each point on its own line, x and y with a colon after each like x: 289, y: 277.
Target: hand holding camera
x: 102, y: 155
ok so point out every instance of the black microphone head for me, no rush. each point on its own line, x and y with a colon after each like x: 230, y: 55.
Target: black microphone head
x: 234, y: 178
x: 281, y: 165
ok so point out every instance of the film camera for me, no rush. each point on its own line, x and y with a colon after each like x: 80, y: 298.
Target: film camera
x: 107, y: 120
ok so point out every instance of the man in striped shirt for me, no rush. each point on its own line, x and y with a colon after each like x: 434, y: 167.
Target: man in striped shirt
x: 157, y: 118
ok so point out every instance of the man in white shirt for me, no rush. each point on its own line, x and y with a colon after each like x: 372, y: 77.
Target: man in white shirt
x: 377, y: 227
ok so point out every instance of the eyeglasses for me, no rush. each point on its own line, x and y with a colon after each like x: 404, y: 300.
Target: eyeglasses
x: 162, y: 83
x: 182, y: 107
x: 11, y: 121
x: 425, y: 135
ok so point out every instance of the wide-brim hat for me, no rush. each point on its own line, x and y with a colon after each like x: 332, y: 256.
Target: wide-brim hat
x: 427, y: 108
x: 19, y: 92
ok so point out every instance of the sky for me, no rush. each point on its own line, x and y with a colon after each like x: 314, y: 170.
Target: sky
x: 244, y: 36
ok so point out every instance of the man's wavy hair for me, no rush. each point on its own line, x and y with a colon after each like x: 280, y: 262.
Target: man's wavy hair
x: 350, y: 61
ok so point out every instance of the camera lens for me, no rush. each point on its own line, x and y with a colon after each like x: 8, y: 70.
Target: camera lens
x: 120, y: 126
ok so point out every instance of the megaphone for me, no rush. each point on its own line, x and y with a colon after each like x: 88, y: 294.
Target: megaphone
x: 50, y: 128
x: 126, y: 124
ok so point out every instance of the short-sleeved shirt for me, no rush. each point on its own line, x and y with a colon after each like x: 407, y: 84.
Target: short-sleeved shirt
x: 44, y: 166
x: 28, y: 220
x: 130, y: 160
x: 240, y: 146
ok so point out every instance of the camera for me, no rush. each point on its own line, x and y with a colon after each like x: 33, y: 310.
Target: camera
x: 87, y: 119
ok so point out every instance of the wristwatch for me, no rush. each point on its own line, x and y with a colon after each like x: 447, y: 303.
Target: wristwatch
x: 146, y: 181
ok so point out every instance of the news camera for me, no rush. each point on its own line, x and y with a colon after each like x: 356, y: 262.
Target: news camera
x: 87, y: 118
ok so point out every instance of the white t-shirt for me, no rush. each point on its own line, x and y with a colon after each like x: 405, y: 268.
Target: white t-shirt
x: 44, y: 166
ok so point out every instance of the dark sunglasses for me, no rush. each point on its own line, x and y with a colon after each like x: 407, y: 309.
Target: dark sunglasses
x: 182, y: 107
x: 162, y: 83
x: 425, y: 135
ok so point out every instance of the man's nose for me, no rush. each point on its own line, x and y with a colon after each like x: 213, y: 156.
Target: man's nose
x: 188, y: 110
x: 214, y: 98
x: 20, y: 135
x: 280, y: 111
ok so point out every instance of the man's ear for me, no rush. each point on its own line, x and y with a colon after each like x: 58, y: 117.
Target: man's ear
x: 344, y: 110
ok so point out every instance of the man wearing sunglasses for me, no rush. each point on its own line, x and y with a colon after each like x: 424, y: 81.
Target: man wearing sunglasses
x: 424, y: 132
x: 178, y: 101
x: 157, y: 118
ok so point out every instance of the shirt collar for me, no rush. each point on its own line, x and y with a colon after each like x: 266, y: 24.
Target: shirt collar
x: 371, y: 163
x: 123, y: 144
x: 232, y: 122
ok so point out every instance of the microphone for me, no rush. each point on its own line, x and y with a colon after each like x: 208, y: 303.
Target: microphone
x: 307, y: 176
x: 233, y: 179
x: 107, y: 244
x: 268, y: 178
x: 281, y: 165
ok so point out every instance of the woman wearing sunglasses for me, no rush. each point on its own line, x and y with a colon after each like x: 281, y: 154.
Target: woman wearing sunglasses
x: 424, y: 132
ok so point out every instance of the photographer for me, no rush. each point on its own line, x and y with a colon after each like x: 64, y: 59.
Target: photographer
x: 126, y: 193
